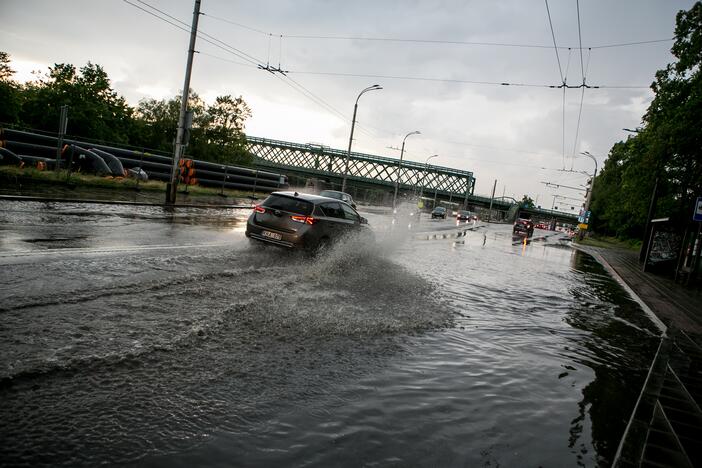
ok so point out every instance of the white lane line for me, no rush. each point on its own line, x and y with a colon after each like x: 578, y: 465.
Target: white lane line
x: 116, y: 249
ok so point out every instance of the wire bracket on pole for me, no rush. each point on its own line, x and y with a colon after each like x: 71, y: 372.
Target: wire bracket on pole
x: 273, y: 70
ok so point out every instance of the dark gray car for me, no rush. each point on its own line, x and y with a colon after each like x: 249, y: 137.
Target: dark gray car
x: 298, y: 220
x: 343, y: 196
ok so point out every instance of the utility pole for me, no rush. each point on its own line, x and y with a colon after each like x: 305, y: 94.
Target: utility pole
x: 172, y: 186
x: 63, y: 124
x: 492, y: 197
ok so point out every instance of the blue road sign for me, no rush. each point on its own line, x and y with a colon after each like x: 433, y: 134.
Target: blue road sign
x: 698, y: 210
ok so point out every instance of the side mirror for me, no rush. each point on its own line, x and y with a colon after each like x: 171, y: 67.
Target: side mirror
x: 364, y: 220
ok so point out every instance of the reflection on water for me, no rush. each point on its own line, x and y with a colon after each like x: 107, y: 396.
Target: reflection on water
x: 469, y: 352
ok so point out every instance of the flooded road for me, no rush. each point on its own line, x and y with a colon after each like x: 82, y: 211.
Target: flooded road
x: 140, y: 336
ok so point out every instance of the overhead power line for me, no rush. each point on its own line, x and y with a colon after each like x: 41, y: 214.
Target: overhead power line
x: 555, y: 47
x: 249, y: 59
x: 580, y: 113
x: 204, y: 36
x: 256, y: 61
x: 422, y: 41
x: 580, y: 41
x: 452, y: 80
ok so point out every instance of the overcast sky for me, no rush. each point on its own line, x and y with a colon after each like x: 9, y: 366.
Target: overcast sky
x: 514, y: 134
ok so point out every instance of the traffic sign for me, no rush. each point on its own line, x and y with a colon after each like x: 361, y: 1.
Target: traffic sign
x: 698, y: 210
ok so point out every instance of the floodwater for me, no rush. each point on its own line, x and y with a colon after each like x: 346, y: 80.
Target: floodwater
x: 141, y: 336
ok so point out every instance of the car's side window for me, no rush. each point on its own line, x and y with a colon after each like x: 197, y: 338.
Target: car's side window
x: 349, y: 213
x: 333, y: 210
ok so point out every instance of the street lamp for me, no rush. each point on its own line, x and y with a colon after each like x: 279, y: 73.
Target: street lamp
x: 592, y: 185
x: 399, y: 167
x: 353, y: 124
x: 426, y: 167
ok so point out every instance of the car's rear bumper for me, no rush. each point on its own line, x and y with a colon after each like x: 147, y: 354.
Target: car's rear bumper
x: 288, y: 240
x: 522, y: 232
x: 268, y: 240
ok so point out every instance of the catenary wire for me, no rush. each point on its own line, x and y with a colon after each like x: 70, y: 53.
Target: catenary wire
x: 555, y: 47
x: 427, y: 41
x: 580, y: 112
x: 200, y: 34
x: 580, y: 41
x: 291, y: 83
x: 255, y: 61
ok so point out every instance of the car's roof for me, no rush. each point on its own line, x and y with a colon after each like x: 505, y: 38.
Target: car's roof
x: 312, y: 198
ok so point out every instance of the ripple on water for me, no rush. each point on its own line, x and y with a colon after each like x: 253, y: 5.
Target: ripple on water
x: 370, y: 355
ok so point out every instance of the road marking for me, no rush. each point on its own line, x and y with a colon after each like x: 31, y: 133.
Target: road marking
x: 116, y: 249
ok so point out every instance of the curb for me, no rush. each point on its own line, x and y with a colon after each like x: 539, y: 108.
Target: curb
x: 117, y: 202
x: 647, y: 310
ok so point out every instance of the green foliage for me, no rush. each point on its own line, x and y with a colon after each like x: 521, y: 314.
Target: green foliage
x: 97, y: 112
x: 526, y: 202
x: 217, y: 133
x: 6, y: 71
x: 667, y: 148
x: 10, y: 97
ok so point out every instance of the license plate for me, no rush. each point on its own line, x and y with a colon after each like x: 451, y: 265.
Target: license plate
x: 272, y: 235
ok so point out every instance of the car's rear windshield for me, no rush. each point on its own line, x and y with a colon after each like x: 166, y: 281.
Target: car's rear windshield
x: 332, y: 194
x: 290, y: 204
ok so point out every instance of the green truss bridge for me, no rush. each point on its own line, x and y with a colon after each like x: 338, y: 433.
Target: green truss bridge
x: 365, y: 170
x: 368, y: 171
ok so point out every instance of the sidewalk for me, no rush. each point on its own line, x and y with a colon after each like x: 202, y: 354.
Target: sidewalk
x: 678, y: 307
x: 666, y: 424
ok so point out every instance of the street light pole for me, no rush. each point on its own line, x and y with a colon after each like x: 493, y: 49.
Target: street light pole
x: 353, y: 124
x: 399, y: 168
x: 426, y: 168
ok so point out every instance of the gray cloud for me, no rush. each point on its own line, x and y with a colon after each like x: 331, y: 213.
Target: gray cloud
x: 500, y: 128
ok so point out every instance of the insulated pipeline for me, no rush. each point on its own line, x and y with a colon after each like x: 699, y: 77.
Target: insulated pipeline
x: 8, y: 157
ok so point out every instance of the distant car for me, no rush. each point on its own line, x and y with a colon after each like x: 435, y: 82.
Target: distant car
x: 343, y: 196
x: 438, y: 212
x: 523, y: 227
x: 303, y: 221
x: 465, y: 215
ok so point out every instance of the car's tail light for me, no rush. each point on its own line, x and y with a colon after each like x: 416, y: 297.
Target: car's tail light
x: 259, y: 209
x: 304, y: 219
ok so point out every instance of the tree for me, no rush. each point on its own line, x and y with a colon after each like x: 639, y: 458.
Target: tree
x: 220, y: 136
x: 5, y: 71
x: 10, y: 92
x: 95, y: 109
x: 217, y: 133
x: 674, y: 117
x: 97, y: 112
x: 527, y: 202
x: 667, y: 150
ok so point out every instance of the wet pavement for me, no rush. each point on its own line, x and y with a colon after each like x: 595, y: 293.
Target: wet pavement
x: 143, y: 336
